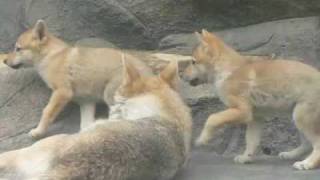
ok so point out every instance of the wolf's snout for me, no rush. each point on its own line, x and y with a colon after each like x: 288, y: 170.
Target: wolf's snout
x: 190, y: 80
x: 194, y: 82
x: 5, y: 61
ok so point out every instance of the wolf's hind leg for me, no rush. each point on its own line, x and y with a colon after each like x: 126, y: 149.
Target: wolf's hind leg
x: 253, y: 137
x: 311, y: 162
x: 87, y: 114
x: 306, y: 119
x: 58, y: 100
x: 301, y: 150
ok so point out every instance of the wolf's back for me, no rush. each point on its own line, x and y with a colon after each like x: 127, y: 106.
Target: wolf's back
x: 147, y: 149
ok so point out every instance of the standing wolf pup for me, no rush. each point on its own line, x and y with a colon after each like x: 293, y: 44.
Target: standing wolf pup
x: 149, y: 140
x: 248, y: 88
x: 85, y: 75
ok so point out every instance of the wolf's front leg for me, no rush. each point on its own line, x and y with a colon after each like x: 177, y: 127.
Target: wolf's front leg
x: 87, y: 114
x: 304, y: 147
x: 253, y: 137
x: 311, y: 162
x: 232, y: 115
x: 57, y: 102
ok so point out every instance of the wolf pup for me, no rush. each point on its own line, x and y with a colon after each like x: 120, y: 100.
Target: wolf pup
x: 147, y: 137
x: 84, y: 75
x: 249, y: 88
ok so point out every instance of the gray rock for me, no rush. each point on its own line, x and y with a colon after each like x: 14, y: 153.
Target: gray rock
x: 11, y: 13
x: 297, y: 39
x: 141, y: 23
x: 75, y: 19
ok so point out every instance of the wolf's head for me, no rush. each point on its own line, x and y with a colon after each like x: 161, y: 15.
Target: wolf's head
x: 29, y: 48
x: 207, y: 56
x: 144, y: 96
x: 140, y: 96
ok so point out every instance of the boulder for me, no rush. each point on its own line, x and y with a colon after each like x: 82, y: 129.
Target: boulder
x: 297, y: 39
x: 141, y: 23
x: 11, y: 15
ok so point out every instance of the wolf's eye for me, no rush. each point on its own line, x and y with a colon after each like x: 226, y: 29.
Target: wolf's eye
x: 18, y: 49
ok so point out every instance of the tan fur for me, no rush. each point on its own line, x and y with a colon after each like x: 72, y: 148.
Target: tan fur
x: 248, y: 87
x: 84, y: 75
x: 153, y: 147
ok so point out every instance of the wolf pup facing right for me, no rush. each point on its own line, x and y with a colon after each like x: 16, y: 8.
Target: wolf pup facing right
x: 249, y: 88
x: 84, y: 75
x: 147, y: 138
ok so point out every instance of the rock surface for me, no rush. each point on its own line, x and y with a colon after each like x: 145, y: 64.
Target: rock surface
x: 297, y: 39
x: 206, y: 166
x: 141, y: 23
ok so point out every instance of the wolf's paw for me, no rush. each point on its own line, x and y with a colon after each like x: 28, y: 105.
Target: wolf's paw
x: 36, y: 133
x: 287, y: 156
x: 202, y: 140
x: 303, y: 165
x: 243, y: 159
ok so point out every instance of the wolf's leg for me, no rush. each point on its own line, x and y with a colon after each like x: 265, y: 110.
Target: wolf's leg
x: 57, y: 102
x: 87, y: 114
x: 304, y: 147
x: 312, y: 161
x: 253, y: 137
x: 109, y: 91
x: 306, y: 119
x: 240, y: 113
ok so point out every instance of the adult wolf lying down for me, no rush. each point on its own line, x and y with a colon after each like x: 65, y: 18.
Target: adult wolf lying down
x: 146, y: 137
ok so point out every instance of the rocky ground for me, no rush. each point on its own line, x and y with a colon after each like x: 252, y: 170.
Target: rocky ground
x: 284, y: 29
x: 205, y: 166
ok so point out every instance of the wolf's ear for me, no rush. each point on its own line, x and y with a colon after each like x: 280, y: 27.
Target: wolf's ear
x: 205, y: 33
x: 198, y: 36
x: 130, y: 73
x: 213, y: 41
x: 201, y: 39
x: 170, y: 74
x: 40, y: 30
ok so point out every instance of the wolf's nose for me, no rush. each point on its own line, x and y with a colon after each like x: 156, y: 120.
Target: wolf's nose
x: 5, y: 61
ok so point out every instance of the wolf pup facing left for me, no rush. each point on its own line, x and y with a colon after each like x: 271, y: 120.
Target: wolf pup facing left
x: 85, y: 75
x: 251, y: 88
x: 148, y: 138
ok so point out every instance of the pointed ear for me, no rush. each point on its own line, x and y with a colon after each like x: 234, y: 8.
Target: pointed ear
x: 201, y: 40
x: 215, y: 43
x: 40, y: 30
x: 130, y: 73
x: 205, y: 32
x: 198, y: 36
x: 170, y: 74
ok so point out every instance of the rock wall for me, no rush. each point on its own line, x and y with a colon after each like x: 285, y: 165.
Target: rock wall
x: 141, y: 23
